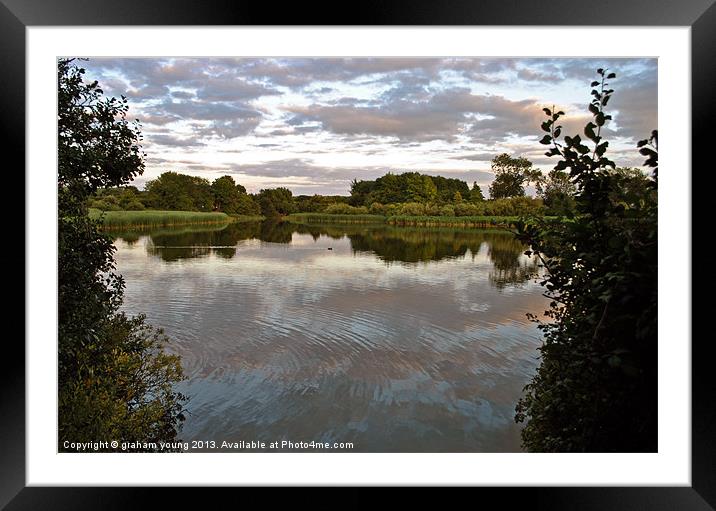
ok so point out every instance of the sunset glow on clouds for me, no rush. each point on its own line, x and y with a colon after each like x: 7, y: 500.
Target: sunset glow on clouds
x: 313, y: 125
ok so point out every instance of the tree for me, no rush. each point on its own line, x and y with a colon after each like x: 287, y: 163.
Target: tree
x: 596, y: 387
x: 476, y: 193
x: 227, y: 194
x: 557, y: 191
x: 276, y: 202
x: 114, y: 381
x: 420, y: 188
x: 360, y: 192
x: 446, y: 187
x: 457, y: 198
x: 246, y: 205
x: 180, y: 192
x: 511, y: 175
x: 389, y: 189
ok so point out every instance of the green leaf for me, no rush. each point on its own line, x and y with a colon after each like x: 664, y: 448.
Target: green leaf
x: 602, y: 148
x: 547, y: 111
x: 546, y: 140
x: 589, y: 131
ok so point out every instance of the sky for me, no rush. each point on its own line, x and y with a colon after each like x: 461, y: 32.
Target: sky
x: 315, y: 124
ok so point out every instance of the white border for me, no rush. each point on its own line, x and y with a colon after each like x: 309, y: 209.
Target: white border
x: 670, y: 466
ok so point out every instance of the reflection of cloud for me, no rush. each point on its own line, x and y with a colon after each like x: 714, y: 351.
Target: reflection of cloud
x: 296, y: 340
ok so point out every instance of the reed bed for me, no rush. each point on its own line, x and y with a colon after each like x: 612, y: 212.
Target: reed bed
x: 247, y: 218
x: 453, y: 221
x: 151, y: 218
x: 319, y: 218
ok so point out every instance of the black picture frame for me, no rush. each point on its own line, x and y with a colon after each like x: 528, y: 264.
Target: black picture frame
x: 700, y: 15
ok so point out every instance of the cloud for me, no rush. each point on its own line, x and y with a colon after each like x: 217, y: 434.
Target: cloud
x: 441, y: 115
x: 323, y: 121
x: 171, y: 140
x: 637, y: 107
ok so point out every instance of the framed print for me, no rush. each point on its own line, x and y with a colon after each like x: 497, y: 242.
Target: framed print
x: 404, y: 248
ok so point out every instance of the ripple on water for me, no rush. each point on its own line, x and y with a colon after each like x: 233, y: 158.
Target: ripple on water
x: 308, y: 344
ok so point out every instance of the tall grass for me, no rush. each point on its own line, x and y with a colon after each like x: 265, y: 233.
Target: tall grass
x: 247, y: 218
x: 453, y: 221
x: 148, y: 218
x: 319, y: 218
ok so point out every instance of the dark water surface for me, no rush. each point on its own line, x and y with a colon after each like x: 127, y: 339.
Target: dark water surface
x: 397, y: 339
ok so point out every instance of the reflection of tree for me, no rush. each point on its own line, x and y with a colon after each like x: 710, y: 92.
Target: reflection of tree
x: 412, y: 245
x: 510, y: 266
x: 188, y: 243
x: 391, y: 244
x: 275, y: 231
x: 130, y: 238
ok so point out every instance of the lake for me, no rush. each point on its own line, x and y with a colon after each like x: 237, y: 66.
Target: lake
x: 391, y: 339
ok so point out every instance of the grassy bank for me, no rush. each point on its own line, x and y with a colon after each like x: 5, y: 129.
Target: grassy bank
x: 325, y: 218
x: 149, y: 218
x: 247, y: 218
x: 453, y: 221
x: 405, y: 220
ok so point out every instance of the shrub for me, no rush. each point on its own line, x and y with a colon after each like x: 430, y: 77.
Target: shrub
x: 467, y: 209
x: 412, y: 209
x: 596, y: 387
x: 345, y: 209
x: 447, y: 210
x: 377, y: 209
x: 134, y: 205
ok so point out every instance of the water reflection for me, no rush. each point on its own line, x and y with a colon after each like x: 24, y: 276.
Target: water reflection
x: 396, y: 339
x: 389, y: 244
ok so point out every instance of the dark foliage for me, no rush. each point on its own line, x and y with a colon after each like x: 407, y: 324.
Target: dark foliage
x: 115, y: 382
x: 596, y: 387
x: 406, y: 187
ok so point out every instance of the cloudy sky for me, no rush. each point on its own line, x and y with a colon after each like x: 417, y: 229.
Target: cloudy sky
x: 314, y: 124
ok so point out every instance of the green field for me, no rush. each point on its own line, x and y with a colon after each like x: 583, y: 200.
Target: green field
x: 124, y: 219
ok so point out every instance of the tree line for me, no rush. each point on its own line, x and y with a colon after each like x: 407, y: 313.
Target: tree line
x: 406, y: 194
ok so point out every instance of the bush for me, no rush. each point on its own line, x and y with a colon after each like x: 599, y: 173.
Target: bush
x: 392, y: 209
x: 412, y: 209
x: 432, y: 209
x: 345, y: 209
x: 104, y: 205
x: 447, y: 210
x: 134, y: 205
x: 377, y: 209
x: 596, y: 387
x: 114, y: 379
x: 467, y: 209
